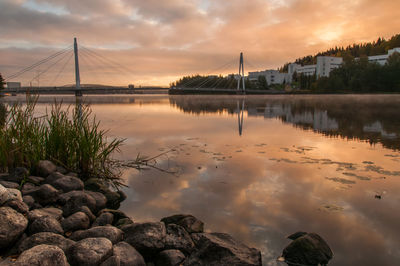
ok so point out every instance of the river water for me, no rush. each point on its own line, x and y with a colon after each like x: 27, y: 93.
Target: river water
x: 263, y: 167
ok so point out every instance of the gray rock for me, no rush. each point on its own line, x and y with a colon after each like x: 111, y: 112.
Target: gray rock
x: 105, y: 218
x: 90, y: 251
x: 46, y: 238
x: 9, y: 184
x: 46, y: 224
x: 113, y: 199
x: 147, y: 238
x: 17, y: 175
x: 74, y: 200
x: 68, y: 183
x: 178, y: 238
x: 62, y: 170
x: 4, y: 195
x: 101, y: 200
x: 221, y: 249
x: 128, y: 255
x: 29, y: 201
x: 96, y: 184
x: 187, y: 221
x: 14, y: 194
x: 117, y: 214
x: 122, y: 222
x: 53, y: 177
x: 88, y: 212
x: 45, y: 194
x: 112, y: 233
x: 17, y: 205
x: 28, y: 187
x: 308, y: 249
x: 111, y: 261
x: 76, y: 221
x: 45, y: 168
x: 42, y: 255
x: 52, y: 212
x: 170, y: 257
x: 12, y: 226
x: 35, y: 179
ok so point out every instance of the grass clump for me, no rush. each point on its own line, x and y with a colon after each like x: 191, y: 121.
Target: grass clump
x: 71, y: 139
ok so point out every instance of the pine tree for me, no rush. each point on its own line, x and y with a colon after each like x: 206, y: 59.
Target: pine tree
x: 1, y: 82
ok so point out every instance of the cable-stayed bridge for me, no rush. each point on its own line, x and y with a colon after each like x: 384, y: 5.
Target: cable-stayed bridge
x: 67, y: 64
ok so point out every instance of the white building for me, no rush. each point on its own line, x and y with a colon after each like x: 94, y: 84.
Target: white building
x: 272, y: 76
x: 325, y: 64
x: 13, y: 85
x: 382, y: 59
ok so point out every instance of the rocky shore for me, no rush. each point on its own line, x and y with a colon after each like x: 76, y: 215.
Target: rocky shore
x: 56, y: 219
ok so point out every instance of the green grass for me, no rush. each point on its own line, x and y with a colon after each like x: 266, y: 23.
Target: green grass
x: 72, y: 139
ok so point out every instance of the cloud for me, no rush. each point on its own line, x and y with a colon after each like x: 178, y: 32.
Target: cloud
x: 163, y: 40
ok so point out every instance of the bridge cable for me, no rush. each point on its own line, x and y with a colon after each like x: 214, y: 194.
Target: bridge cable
x: 50, y: 66
x: 19, y: 73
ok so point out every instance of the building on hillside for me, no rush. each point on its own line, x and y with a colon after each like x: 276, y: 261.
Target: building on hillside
x: 13, y: 85
x: 325, y: 64
x: 272, y: 76
x: 382, y: 59
x: 307, y: 70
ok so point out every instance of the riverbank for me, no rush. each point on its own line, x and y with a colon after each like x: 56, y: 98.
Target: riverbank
x: 56, y: 218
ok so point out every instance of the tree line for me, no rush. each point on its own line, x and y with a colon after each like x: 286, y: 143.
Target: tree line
x: 218, y: 82
x: 378, y: 47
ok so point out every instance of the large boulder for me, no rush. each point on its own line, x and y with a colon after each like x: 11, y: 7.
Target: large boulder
x: 122, y: 222
x: 45, y: 194
x: 90, y: 251
x: 45, y: 224
x: 113, y: 198
x: 101, y: 200
x: 116, y: 213
x: 128, y: 255
x: 105, y: 218
x: 4, y: 195
x: 170, y: 257
x: 308, y: 249
x: 42, y: 255
x: 88, y: 212
x: 178, y: 238
x: 17, y: 205
x: 76, y: 221
x: 112, y: 233
x: 12, y: 226
x: 74, y: 200
x: 53, y: 177
x: 52, y: 212
x: 45, y: 238
x: 68, y: 183
x: 45, y: 168
x: 9, y: 184
x: 147, y: 238
x: 14, y: 194
x: 221, y: 249
x: 187, y: 221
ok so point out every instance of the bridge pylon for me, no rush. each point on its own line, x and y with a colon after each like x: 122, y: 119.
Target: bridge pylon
x: 241, y: 76
x: 78, y: 91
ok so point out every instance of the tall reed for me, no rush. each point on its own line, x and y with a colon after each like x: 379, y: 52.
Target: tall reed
x: 73, y: 140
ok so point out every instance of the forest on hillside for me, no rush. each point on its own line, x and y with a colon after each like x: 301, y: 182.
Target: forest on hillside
x: 378, y: 47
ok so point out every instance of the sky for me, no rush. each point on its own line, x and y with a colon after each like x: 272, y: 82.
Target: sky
x: 154, y: 42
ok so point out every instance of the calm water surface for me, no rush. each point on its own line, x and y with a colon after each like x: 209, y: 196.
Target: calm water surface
x: 263, y: 167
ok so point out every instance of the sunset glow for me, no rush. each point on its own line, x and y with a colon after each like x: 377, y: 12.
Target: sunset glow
x: 160, y: 41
